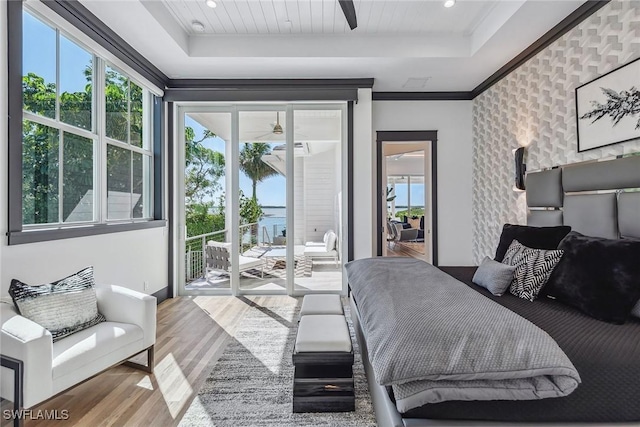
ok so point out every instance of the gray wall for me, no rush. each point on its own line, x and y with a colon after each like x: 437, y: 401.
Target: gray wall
x: 535, y: 106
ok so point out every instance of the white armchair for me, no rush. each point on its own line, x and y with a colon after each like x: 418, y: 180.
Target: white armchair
x: 50, y: 368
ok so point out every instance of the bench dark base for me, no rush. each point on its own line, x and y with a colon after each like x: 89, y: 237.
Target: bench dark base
x: 324, y: 404
x: 323, y: 382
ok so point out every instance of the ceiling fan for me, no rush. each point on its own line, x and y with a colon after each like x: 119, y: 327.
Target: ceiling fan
x: 349, y: 11
x: 276, y: 129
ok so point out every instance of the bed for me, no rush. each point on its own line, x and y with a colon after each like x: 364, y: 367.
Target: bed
x: 606, y: 355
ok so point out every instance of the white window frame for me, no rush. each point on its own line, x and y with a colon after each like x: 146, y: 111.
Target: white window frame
x: 97, y: 134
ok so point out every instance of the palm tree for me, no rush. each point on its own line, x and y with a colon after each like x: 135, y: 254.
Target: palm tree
x: 252, y: 165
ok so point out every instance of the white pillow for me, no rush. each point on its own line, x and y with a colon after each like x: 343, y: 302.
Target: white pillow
x: 331, y: 241
x: 326, y: 236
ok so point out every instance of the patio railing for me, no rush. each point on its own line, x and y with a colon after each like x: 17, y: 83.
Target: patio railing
x: 196, y: 262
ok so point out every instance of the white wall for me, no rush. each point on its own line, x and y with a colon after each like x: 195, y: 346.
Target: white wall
x: 452, y: 120
x: 319, y: 187
x: 299, y: 202
x: 534, y: 106
x: 127, y: 259
x: 363, y: 178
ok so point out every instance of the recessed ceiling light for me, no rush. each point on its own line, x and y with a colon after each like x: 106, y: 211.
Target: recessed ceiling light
x: 197, y: 26
x: 449, y: 3
x: 288, y: 24
x: 211, y: 3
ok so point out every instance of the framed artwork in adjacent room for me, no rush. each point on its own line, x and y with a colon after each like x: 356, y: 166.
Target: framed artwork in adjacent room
x: 608, y: 108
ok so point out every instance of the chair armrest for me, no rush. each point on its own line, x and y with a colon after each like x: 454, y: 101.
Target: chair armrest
x: 124, y: 305
x: 29, y: 342
x: 409, y: 234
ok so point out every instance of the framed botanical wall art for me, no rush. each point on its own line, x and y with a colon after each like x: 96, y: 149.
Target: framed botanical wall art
x: 608, y: 108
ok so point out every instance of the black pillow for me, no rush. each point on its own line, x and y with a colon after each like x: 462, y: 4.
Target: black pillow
x: 531, y: 237
x: 600, y: 277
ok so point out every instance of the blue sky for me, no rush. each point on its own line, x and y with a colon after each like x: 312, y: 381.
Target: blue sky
x: 417, y: 194
x: 39, y: 56
x: 271, y: 191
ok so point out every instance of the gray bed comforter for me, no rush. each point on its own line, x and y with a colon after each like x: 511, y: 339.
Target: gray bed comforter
x: 433, y: 339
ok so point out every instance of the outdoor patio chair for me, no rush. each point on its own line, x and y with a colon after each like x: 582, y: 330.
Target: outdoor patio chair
x: 219, y: 258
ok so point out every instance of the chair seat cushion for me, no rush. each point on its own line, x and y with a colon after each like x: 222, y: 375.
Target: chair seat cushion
x: 101, y: 345
x: 319, y: 251
x: 321, y: 304
x: 315, y: 244
x: 323, y: 333
x: 249, y: 262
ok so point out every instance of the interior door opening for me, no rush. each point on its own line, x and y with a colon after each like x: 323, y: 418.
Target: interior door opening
x: 407, y: 224
x: 407, y: 197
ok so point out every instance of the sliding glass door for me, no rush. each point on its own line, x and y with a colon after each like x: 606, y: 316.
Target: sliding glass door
x: 207, y: 209
x: 263, y: 191
x: 317, y: 199
x: 263, y: 199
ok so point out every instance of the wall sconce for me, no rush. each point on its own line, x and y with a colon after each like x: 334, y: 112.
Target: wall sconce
x: 521, y: 168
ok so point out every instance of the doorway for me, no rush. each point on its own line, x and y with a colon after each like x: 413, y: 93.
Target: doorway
x: 262, y: 187
x: 407, y: 194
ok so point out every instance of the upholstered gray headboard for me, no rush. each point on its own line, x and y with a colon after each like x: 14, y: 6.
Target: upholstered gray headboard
x: 598, y: 198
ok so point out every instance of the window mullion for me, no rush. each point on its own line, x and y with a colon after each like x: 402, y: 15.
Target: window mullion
x: 60, y: 175
x: 57, y: 112
x: 129, y: 110
x: 36, y: 118
x: 101, y: 149
x: 129, y: 147
x: 130, y: 184
x: 60, y: 133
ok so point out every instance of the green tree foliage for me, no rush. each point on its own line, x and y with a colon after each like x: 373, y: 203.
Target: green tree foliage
x: 250, y: 210
x: 204, y: 167
x: 415, y: 213
x: 203, y: 218
x: 252, y: 165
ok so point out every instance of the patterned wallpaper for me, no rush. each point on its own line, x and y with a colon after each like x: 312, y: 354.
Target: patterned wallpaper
x: 535, y: 106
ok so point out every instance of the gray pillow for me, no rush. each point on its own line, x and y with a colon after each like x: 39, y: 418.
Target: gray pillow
x: 63, y: 307
x: 494, y: 276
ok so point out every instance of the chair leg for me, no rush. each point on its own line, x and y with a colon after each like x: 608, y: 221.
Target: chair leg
x: 150, y: 361
x: 18, y: 386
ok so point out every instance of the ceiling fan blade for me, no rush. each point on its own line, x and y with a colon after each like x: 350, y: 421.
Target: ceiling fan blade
x: 349, y: 11
x: 263, y: 136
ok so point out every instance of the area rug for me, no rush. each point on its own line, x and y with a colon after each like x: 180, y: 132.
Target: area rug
x: 251, y: 384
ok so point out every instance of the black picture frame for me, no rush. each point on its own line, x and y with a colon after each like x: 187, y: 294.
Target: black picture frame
x: 597, y: 112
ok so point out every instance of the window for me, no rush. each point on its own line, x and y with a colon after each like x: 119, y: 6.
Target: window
x: 86, y: 148
x: 128, y: 156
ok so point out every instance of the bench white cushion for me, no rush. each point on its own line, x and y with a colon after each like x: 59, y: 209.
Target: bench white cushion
x: 321, y: 304
x: 323, y: 333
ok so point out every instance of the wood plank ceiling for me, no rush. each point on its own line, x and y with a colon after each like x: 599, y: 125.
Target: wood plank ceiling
x: 325, y: 16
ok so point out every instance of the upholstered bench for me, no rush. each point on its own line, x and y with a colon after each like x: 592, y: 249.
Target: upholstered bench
x: 323, y: 361
x: 321, y: 304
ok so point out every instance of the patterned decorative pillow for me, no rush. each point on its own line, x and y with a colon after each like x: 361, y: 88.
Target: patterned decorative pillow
x: 63, y: 307
x: 533, y: 268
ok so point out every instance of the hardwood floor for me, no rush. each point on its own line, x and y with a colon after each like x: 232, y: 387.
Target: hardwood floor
x: 192, y: 334
x: 407, y: 249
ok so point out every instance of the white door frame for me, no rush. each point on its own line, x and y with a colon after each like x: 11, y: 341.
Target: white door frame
x: 232, y: 185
